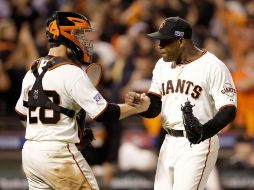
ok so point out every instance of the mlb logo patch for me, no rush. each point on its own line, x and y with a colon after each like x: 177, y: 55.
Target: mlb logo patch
x: 178, y: 33
x: 97, y: 97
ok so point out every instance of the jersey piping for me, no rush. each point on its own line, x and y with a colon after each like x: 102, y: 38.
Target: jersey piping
x: 207, y: 155
x: 195, y: 58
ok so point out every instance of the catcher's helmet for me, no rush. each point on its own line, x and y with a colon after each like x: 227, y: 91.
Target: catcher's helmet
x: 71, y: 29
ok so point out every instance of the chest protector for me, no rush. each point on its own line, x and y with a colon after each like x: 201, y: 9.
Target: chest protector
x: 37, y: 96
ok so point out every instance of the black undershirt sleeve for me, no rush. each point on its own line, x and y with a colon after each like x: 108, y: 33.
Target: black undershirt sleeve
x: 154, y: 108
x: 224, y: 116
x: 110, y: 114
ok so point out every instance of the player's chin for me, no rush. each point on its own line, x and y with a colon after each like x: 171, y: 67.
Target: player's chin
x: 166, y: 58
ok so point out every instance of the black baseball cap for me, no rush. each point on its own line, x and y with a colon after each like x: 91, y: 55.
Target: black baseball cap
x: 173, y: 27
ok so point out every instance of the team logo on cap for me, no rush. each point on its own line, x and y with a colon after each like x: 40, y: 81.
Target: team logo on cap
x: 178, y: 33
x: 162, y: 25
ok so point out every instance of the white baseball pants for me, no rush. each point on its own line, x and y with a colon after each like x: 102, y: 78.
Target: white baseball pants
x: 184, y: 167
x: 56, y: 165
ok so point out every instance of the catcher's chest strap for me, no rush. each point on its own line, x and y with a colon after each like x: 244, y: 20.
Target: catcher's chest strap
x: 37, y: 96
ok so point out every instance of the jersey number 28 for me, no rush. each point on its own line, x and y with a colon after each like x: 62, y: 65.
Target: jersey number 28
x: 53, y: 119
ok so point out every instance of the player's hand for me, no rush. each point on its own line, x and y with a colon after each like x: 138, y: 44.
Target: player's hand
x: 132, y: 98
x: 143, y: 103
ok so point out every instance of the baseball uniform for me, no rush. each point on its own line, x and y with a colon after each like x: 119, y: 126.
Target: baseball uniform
x: 50, y: 157
x: 207, y: 83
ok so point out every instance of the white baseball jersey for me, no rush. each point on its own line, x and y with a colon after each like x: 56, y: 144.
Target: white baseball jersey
x: 206, y: 82
x: 68, y: 86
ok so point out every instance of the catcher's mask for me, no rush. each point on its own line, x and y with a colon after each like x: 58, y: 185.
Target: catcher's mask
x: 72, y: 30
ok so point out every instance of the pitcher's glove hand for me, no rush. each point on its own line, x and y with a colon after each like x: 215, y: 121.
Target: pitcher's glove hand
x: 86, y: 139
x: 194, y: 129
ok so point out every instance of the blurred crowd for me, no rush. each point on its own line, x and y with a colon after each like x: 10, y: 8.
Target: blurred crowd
x: 120, y: 45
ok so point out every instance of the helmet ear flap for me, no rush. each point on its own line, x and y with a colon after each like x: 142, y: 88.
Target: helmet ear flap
x: 52, y: 30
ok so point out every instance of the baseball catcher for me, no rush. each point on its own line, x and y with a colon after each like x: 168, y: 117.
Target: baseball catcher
x: 53, y: 91
x: 194, y: 129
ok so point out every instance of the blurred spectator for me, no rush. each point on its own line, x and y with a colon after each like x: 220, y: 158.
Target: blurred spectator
x: 251, y: 160
x: 122, y: 67
x: 40, y: 38
x: 170, y: 8
x: 4, y: 8
x: 244, y: 81
x: 213, y: 45
x: 102, y: 48
x: 108, y: 22
x: 204, y: 13
x: 8, y: 41
x: 134, y: 13
x: 17, y: 53
x: 137, y: 143
x: 243, y: 154
x: 22, y: 11
x: 141, y: 159
x: 141, y: 76
x: 238, y: 24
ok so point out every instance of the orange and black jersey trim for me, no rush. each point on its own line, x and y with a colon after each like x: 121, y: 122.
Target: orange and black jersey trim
x: 57, y: 62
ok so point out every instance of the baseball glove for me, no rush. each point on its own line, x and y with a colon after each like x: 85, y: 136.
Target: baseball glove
x: 86, y: 135
x: 194, y: 129
x: 86, y: 139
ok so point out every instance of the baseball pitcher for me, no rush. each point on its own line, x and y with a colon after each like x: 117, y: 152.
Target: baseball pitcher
x: 195, y: 94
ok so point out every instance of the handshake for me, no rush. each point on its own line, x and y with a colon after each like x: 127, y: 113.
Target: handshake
x: 140, y: 101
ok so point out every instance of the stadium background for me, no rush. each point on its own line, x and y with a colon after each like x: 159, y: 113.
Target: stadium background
x: 126, y: 152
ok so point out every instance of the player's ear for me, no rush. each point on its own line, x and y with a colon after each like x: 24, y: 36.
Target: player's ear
x: 181, y: 41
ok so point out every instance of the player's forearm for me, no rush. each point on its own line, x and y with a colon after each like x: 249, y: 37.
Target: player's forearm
x: 225, y: 116
x: 127, y: 110
x: 116, y: 112
x: 154, y: 108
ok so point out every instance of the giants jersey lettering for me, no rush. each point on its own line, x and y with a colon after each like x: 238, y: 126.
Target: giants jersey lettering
x: 182, y: 86
x: 206, y: 82
x: 67, y: 86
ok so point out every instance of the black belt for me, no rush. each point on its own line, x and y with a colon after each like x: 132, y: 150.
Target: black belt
x: 175, y: 133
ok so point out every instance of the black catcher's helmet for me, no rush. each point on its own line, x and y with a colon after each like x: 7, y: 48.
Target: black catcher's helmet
x: 72, y: 30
